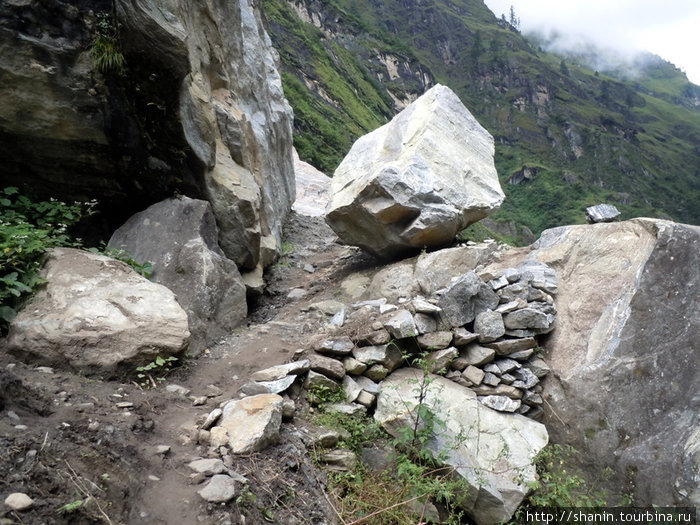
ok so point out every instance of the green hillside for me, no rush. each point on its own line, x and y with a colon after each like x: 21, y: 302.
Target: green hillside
x: 569, y: 136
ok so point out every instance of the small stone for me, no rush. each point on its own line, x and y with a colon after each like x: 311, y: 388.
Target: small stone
x: 462, y: 336
x: 315, y: 380
x: 297, y: 293
x: 339, y: 346
x: 351, y: 388
x: 538, y: 367
x: 508, y: 346
x: 208, y: 467
x: 425, y: 323
x: 489, y: 325
x: 329, y: 307
x: 366, y: 399
x: 511, y: 274
x: 602, y: 213
x: 490, y: 379
x: 199, y: 401
x: 377, y: 372
x: 435, y: 340
x: 507, y: 365
x: 44, y: 369
x: 213, y: 391
x: 353, y: 366
x: 401, y: 325
x: 309, y: 268
x: 367, y: 385
x: 499, y: 283
x: 352, y: 409
x: 124, y: 404
x: 218, y: 437
x: 526, y: 376
x: 441, y: 359
x: 220, y: 489
x: 212, y: 418
x: 507, y: 379
x: 384, y: 308
x: 387, y: 355
x: 325, y: 438
x: 19, y: 501
x: 177, y: 389
x: 339, y: 460
x: 522, y: 355
x: 327, y: 366
x: 288, y: 409
x: 377, y: 337
x: 281, y: 371
x: 162, y: 450
x: 501, y: 403
x: 254, y: 388
x: 500, y: 390
x: 509, y: 307
x: 152, y: 477
x: 21, y: 427
x: 338, y: 319
x: 473, y: 374
x: 478, y: 355
x: 530, y: 398
x: 93, y: 426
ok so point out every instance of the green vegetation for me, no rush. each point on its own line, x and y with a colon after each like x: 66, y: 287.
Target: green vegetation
x: 105, y: 48
x: 595, y: 137
x: 27, y: 230
x: 153, y: 373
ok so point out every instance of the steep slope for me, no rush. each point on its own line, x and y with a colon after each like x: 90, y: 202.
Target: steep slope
x: 567, y: 136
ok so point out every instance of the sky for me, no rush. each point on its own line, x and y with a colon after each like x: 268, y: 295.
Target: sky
x: 668, y: 28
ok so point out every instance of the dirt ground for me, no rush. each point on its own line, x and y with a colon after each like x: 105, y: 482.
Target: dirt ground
x: 86, y: 449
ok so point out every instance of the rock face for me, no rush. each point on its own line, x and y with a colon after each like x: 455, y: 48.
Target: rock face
x: 96, y: 313
x: 491, y: 450
x: 179, y: 237
x: 624, y: 354
x: 416, y: 181
x: 202, y: 113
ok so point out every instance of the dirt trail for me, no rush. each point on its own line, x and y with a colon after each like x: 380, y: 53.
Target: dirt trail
x: 66, y: 439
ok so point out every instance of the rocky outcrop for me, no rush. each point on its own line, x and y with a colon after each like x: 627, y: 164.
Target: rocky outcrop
x: 313, y: 189
x: 492, y: 451
x: 179, y: 238
x: 416, y: 181
x: 624, y: 354
x: 199, y: 110
x: 95, y: 314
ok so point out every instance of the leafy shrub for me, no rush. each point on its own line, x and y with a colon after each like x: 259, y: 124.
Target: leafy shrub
x: 27, y: 230
x: 105, y: 49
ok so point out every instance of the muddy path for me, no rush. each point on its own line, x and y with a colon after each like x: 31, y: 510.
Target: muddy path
x: 89, y: 450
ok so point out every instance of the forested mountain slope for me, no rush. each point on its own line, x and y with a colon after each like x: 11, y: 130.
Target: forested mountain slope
x: 566, y: 136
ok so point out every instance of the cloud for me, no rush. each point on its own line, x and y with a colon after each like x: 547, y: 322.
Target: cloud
x: 668, y: 28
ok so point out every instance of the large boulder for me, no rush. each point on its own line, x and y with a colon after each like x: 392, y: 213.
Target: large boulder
x: 624, y: 354
x: 492, y: 451
x: 96, y: 314
x: 199, y: 110
x: 416, y: 181
x: 179, y: 238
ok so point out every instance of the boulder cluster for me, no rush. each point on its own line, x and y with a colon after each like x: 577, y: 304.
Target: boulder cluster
x: 479, y: 332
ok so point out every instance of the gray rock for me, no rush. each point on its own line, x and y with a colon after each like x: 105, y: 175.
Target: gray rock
x: 528, y: 378
x: 435, y: 340
x: 510, y: 306
x: 531, y: 398
x: 465, y: 298
x: 327, y: 366
x: 434, y: 270
x: 529, y: 318
x: 366, y: 399
x: 95, y: 314
x: 208, y: 467
x: 339, y: 460
x: 252, y: 423
x: 367, y: 385
x: 280, y: 371
x: 342, y: 345
x: 501, y: 403
x: 401, y: 325
x: 253, y: 388
x: 414, y: 182
x: 375, y: 337
x: 441, y: 359
x: 351, y: 389
x: 387, y: 355
x: 621, y: 351
x: 492, y: 368
x: 508, y: 346
x: 425, y: 323
x: 19, y: 501
x: 329, y: 307
x: 490, y: 379
x: 499, y: 390
x: 522, y: 355
x: 478, y: 355
x: 507, y: 365
x: 220, y: 489
x: 212, y: 418
x: 602, y: 213
x: 473, y: 374
x: 315, y: 380
x: 499, y: 283
x: 297, y: 293
x: 538, y: 367
x: 377, y: 372
x: 539, y: 275
x: 325, y: 438
x: 422, y: 306
x: 394, y: 282
x: 353, y: 366
x: 489, y: 326
x: 496, y: 452
x: 463, y: 337
x: 179, y: 237
x: 351, y: 409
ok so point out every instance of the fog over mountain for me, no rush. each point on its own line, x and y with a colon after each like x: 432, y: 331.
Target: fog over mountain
x: 667, y: 29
